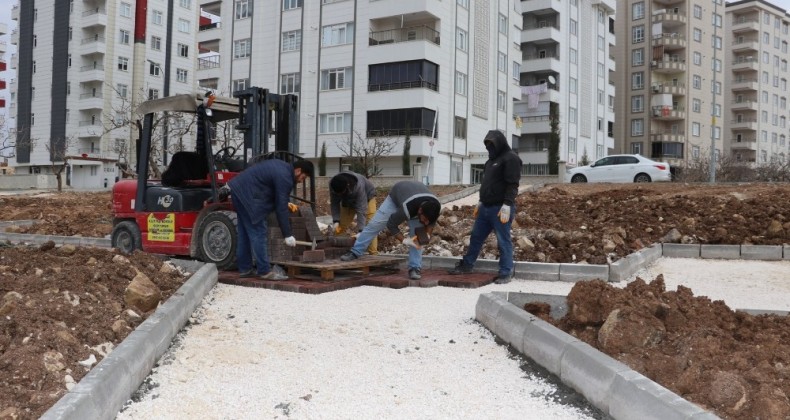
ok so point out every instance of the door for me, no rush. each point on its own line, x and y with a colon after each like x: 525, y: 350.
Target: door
x: 602, y: 170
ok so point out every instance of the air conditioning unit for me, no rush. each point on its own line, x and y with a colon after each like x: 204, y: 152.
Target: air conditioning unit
x: 656, y: 88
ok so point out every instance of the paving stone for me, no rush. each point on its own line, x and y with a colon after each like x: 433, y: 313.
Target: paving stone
x: 761, y: 252
x: 725, y: 252
x: 681, y: 250
x: 581, y: 272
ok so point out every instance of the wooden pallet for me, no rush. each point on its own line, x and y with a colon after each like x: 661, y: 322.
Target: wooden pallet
x: 329, y: 268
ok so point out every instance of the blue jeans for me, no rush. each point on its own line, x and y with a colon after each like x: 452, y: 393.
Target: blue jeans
x: 252, y: 238
x: 488, y: 220
x: 377, y: 224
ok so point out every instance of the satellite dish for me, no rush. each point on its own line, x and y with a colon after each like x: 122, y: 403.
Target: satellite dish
x: 552, y: 80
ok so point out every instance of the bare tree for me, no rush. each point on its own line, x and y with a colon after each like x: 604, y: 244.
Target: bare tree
x: 365, y: 152
x: 729, y: 168
x: 59, y: 157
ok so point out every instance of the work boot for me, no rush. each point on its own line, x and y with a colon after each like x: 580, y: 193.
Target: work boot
x: 348, y: 256
x: 503, y: 278
x: 247, y: 274
x: 415, y: 274
x: 272, y: 275
x: 460, y: 268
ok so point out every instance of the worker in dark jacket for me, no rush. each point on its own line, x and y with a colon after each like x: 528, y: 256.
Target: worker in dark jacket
x: 407, y: 201
x: 256, y: 192
x: 497, y: 206
x: 351, y: 194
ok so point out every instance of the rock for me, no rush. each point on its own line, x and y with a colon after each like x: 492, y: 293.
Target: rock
x: 608, y: 245
x: 67, y: 337
x: 120, y: 259
x: 47, y: 246
x: 685, y: 239
x: 628, y: 328
x: 119, y: 327
x: 67, y: 249
x: 775, y: 230
x: 132, y: 316
x: 728, y: 390
x: 168, y: 268
x: 39, y: 272
x: 672, y: 237
x: 53, y: 361
x: 142, y: 293
x: 648, y: 230
x: 88, y: 362
x: 11, y: 413
x: 91, y: 261
x: 771, y: 404
x: 524, y: 243
x: 69, y: 382
x: 12, y: 295
x: 8, y: 307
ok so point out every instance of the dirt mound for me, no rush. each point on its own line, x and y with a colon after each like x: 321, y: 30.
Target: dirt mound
x: 733, y: 363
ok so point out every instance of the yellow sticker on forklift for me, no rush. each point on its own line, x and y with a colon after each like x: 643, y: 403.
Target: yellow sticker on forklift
x: 163, y: 230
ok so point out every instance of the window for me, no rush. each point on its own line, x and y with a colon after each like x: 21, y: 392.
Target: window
x: 573, y: 27
x: 601, y: 43
x: 696, y: 105
x: 240, y: 84
x: 637, y: 80
x: 156, y: 17
x: 766, y: 38
x: 183, y: 25
x: 463, y: 3
x: 124, y: 37
x: 459, y: 128
x: 697, y: 58
x: 68, y: 90
x: 183, y: 50
x: 636, y: 148
x: 696, y: 81
x: 695, y: 128
x: 516, y: 70
x: 156, y: 43
x: 698, y: 11
x: 339, y: 78
x: 573, y: 54
x: 154, y: 69
x: 501, y: 62
x: 572, y: 115
x: 334, y: 123
x: 69, y: 61
x: 698, y: 34
x: 637, y: 103
x: 601, y: 69
x: 501, y: 103
x: 338, y: 34
x: 601, y: 97
x: 243, y: 9
x: 638, y: 10
x: 461, y: 39
x: 123, y: 63
x: 71, y: 33
x: 571, y: 144
x: 122, y: 89
x: 181, y: 75
x: 460, y: 83
x: 716, y: 20
x: 187, y: 4
x: 717, y: 42
x: 126, y: 9
x: 242, y: 48
x: 291, y: 4
x: 292, y: 40
x: 34, y: 66
x: 572, y: 85
x: 637, y: 127
x: 638, y: 57
x: 638, y: 34
x: 290, y: 83
x: 502, y: 24
x: 153, y: 94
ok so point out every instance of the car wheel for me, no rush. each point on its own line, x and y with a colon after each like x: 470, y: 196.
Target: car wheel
x: 217, y: 239
x: 579, y: 178
x: 126, y: 237
x: 642, y: 178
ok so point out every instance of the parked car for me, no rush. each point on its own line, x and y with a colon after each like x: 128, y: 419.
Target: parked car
x: 620, y: 168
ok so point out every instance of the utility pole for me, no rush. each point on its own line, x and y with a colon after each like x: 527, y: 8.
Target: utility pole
x: 712, y: 174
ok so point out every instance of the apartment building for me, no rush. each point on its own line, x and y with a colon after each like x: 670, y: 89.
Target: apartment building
x: 670, y: 63
x: 4, y: 112
x: 83, y: 66
x: 444, y: 71
x: 755, y: 123
x: 566, y: 65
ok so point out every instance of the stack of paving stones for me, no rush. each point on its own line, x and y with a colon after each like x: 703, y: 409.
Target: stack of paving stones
x: 304, y: 228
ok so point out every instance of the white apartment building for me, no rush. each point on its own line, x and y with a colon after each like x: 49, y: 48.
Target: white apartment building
x: 82, y: 67
x: 448, y: 71
x: 567, y: 64
x: 670, y: 61
x: 755, y: 123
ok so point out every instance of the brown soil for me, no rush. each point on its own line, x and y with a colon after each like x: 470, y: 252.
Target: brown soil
x: 732, y: 363
x: 557, y: 223
x: 60, y: 306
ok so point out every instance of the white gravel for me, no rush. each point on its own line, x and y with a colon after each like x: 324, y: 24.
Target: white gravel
x: 381, y: 353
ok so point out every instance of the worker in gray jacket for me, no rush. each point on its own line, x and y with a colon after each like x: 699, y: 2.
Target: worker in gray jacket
x: 351, y: 194
x: 408, y: 201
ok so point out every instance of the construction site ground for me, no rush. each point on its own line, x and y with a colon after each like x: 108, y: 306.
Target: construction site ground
x: 554, y: 223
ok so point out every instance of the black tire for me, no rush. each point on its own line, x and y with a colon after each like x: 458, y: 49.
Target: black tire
x: 217, y: 239
x: 579, y: 178
x: 126, y: 237
x: 642, y: 177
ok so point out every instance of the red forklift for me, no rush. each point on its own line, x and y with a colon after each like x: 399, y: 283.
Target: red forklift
x: 180, y: 214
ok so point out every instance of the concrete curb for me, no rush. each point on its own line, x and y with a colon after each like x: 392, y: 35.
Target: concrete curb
x: 608, y: 384
x: 24, y: 238
x: 107, y: 387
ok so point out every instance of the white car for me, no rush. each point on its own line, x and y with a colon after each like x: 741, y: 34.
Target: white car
x: 620, y: 168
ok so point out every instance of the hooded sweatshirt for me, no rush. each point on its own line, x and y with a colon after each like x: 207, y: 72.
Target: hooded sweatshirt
x: 502, y: 172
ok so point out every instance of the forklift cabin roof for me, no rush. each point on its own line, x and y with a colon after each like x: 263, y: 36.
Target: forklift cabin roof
x: 223, y: 108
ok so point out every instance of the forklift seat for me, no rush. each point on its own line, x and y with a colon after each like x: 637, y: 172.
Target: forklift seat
x: 169, y: 199
x: 183, y: 167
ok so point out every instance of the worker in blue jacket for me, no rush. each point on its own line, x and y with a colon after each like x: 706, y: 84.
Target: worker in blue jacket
x: 256, y: 192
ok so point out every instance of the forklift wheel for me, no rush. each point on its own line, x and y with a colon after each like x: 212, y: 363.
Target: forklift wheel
x: 126, y: 237
x: 217, y: 239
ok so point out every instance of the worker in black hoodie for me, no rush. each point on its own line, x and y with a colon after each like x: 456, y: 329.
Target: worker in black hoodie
x: 496, y: 208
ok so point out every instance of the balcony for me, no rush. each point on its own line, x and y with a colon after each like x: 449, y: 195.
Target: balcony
x: 672, y: 17
x: 92, y: 45
x: 15, y: 37
x: 95, y: 153
x: 744, y: 105
x: 535, y: 124
x: 12, y: 109
x: 743, y: 144
x: 94, y: 18
x: 669, y: 87
x: 541, y: 62
x: 3, y: 47
x: 3, y: 28
x: 543, y: 30
x: 669, y: 66
x: 745, y: 45
x: 2, y: 84
x: 607, y: 5
x: 744, y: 124
x: 90, y: 101
x: 666, y: 150
x: 541, y: 5
x: 92, y: 73
x: 667, y: 136
x: 744, y: 24
x: 748, y: 63
x: 670, y: 41
x: 206, y: 63
x: 745, y: 84
x: 414, y: 33
x: 89, y: 129
x: 15, y: 12
x: 668, y: 113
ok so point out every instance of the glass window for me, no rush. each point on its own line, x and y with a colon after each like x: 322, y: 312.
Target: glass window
x: 338, y: 34
x: 573, y: 27
x: 292, y: 40
x: 696, y: 82
x: 181, y: 75
x: 339, y: 78
x: 501, y: 103
x: 572, y: 85
x: 637, y: 56
x: 459, y: 128
x: 240, y: 84
x: 126, y: 9
x: 572, y: 115
x: 637, y: 127
x: 122, y: 90
x: 183, y: 50
x: 124, y: 37
x: 698, y: 11
x: 501, y: 63
x: 154, y: 69
x: 462, y: 39
x: 243, y: 9
x: 242, y: 48
x: 290, y: 83
x: 183, y: 25
x: 156, y: 17
x: 187, y: 4
x: 156, y: 43
x: 638, y: 10
x: 123, y: 63
x: 291, y: 4
x: 698, y: 34
x: 339, y: 122
x: 573, y: 54
x: 460, y: 83
x: 638, y: 34
x: 502, y: 22
x: 637, y: 103
x: 696, y: 105
x: 697, y: 58
x: 637, y: 80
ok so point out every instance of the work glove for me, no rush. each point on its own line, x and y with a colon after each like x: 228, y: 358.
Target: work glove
x: 223, y: 192
x: 476, y: 211
x: 337, y: 228
x: 504, y: 213
x: 293, y: 207
x: 290, y: 241
x: 412, y: 242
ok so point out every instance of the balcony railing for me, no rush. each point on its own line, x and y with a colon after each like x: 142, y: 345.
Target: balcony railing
x: 88, y: 123
x: 395, y: 132
x: 91, y: 95
x: 208, y: 62
x: 402, y: 85
x: 414, y: 33
x: 541, y: 25
x: 745, y: 20
x: 528, y: 57
x: 96, y: 11
x: 93, y: 67
x: 91, y: 40
x: 209, y: 26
